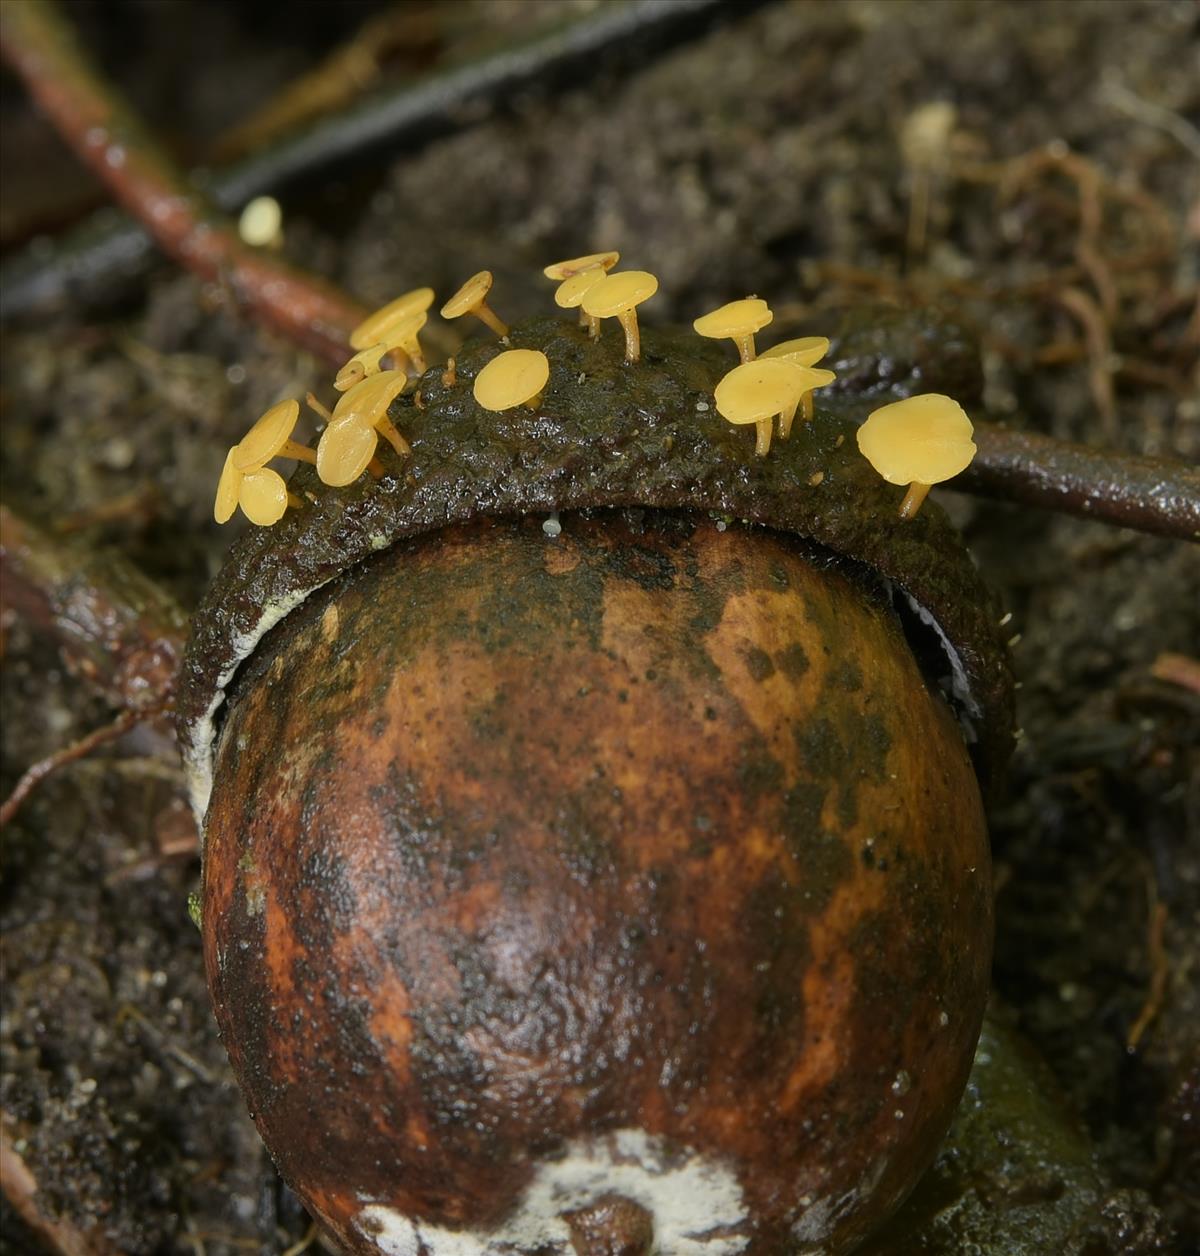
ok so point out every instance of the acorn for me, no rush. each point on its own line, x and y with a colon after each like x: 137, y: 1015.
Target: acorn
x: 623, y: 892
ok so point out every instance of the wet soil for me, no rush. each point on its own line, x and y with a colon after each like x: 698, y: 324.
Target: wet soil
x: 782, y: 155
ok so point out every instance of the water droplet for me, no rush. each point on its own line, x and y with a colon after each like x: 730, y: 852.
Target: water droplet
x: 903, y: 1083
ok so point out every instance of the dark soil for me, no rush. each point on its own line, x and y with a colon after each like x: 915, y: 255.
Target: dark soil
x: 765, y: 157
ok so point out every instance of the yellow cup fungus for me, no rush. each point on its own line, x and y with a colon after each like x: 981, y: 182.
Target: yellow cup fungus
x: 919, y: 441
x: 264, y: 497
x: 248, y: 482
x: 270, y: 438
x: 576, y: 265
x: 347, y: 446
x: 571, y: 292
x: 405, y: 336
x: 471, y: 298
x: 347, y: 449
x: 374, y: 329
x: 804, y: 351
x: 737, y: 321
x: 618, y: 296
x: 261, y: 223
x: 261, y: 493
x: 365, y: 362
x: 808, y: 378
x: 756, y: 392
x: 515, y: 378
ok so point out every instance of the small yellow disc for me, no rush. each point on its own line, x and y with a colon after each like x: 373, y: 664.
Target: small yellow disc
x: 576, y: 265
x: 803, y: 351
x: 267, y: 437
x: 571, y: 291
x: 921, y: 440
x: 345, y: 448
x: 368, y: 401
x: 263, y: 497
x: 227, y: 490
x: 512, y: 378
x: 373, y: 330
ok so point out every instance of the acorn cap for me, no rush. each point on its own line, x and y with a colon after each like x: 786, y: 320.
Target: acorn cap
x: 227, y: 490
x: 368, y: 401
x: 263, y: 496
x: 469, y: 295
x: 576, y: 265
x: 571, y: 291
x: 738, y: 318
x: 615, y: 294
x: 267, y: 437
x: 803, y: 352
x: 345, y: 448
x: 920, y: 440
x: 756, y: 390
x: 374, y: 328
x: 511, y: 379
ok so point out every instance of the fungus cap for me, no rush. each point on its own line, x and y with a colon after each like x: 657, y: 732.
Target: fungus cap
x: 227, y: 490
x: 353, y: 371
x: 577, y: 265
x: 470, y: 295
x: 809, y: 377
x: 512, y: 378
x: 263, y: 496
x: 368, y: 401
x: 267, y: 437
x: 921, y: 440
x: 615, y: 294
x: 374, y: 328
x: 571, y: 291
x: 803, y: 351
x: 404, y: 331
x: 345, y: 449
x: 738, y: 318
x: 756, y: 390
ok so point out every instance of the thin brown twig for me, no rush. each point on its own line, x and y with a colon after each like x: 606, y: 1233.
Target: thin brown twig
x: 1160, y: 968
x: 1095, y: 329
x: 94, y: 119
x: 1177, y: 669
x: 302, y: 1244
x: 34, y: 775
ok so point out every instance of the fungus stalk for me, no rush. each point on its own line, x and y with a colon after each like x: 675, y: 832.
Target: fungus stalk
x: 471, y: 298
x: 572, y: 291
x: 912, y: 499
x: 618, y: 296
x: 737, y: 321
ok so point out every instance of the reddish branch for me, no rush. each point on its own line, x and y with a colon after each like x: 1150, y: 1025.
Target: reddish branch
x: 117, y: 628
x: 1153, y: 495
x: 91, y: 115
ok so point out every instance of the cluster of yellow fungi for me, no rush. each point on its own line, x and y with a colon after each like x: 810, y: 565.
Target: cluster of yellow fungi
x: 777, y: 383
x: 917, y: 442
x: 248, y: 482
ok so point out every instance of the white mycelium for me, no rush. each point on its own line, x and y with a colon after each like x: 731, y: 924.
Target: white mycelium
x: 695, y: 1203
